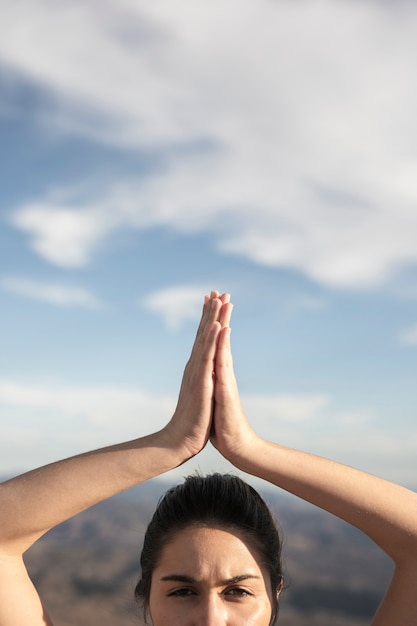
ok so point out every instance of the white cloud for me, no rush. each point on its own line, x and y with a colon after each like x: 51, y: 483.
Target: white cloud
x: 56, y: 294
x: 64, y: 236
x: 106, y: 407
x: 312, y: 125
x: 52, y: 420
x: 126, y: 411
x: 176, y: 305
x: 121, y: 408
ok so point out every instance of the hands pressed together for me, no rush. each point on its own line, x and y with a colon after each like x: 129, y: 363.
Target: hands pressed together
x: 209, y: 406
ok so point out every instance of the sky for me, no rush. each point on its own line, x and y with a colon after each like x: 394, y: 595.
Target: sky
x: 152, y: 151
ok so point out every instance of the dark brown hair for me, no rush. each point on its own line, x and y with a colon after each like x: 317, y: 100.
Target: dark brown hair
x: 217, y: 500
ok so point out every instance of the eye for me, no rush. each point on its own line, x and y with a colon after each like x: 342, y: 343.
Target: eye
x: 238, y: 592
x: 182, y: 592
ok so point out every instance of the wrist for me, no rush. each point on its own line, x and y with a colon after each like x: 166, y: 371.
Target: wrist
x: 249, y: 455
x: 177, y: 446
x: 151, y: 456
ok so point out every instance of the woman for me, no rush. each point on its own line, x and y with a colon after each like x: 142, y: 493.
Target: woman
x: 206, y: 572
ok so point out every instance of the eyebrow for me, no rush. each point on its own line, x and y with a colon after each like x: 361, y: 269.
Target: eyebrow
x: 182, y: 578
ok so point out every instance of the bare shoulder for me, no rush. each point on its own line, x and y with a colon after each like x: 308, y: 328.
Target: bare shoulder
x: 19, y: 601
x: 399, y: 605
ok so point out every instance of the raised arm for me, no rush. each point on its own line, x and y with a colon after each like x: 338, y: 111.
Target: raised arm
x: 33, y: 503
x: 386, y: 512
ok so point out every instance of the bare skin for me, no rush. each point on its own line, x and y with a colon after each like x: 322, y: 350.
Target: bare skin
x: 39, y: 500
x: 208, y: 408
x: 386, y: 512
x: 210, y: 577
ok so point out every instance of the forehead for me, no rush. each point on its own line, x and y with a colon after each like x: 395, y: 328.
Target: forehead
x: 211, y: 565
x: 205, y: 552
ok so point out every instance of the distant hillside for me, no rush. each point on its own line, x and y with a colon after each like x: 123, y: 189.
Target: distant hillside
x: 86, y: 569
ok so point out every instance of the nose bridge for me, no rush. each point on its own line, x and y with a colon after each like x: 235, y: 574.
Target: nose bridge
x: 212, y: 610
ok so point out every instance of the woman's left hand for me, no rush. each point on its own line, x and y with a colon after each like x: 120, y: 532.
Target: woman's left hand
x: 189, y: 428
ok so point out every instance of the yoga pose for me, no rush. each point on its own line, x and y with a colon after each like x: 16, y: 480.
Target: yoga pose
x: 211, y: 554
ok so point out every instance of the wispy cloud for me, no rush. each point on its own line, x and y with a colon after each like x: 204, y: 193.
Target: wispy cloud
x: 176, y: 305
x: 104, y: 406
x: 56, y: 294
x: 124, y: 408
x: 127, y: 408
x: 309, y: 165
x: 63, y: 235
x: 75, y: 418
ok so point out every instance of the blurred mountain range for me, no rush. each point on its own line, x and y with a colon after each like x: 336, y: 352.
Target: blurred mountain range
x: 86, y: 569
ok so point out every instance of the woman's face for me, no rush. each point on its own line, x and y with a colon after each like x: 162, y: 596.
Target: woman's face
x: 209, y: 577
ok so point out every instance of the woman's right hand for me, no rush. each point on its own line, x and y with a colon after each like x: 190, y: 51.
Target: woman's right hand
x: 189, y: 428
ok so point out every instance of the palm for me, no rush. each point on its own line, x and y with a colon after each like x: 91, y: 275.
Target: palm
x: 231, y: 433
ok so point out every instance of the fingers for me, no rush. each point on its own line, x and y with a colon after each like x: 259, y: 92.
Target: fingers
x: 210, y: 313
x: 224, y: 359
x: 217, y: 308
x: 193, y: 416
x: 226, y: 314
x: 226, y: 307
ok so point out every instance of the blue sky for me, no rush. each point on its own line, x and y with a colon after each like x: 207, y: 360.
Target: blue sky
x: 153, y: 151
